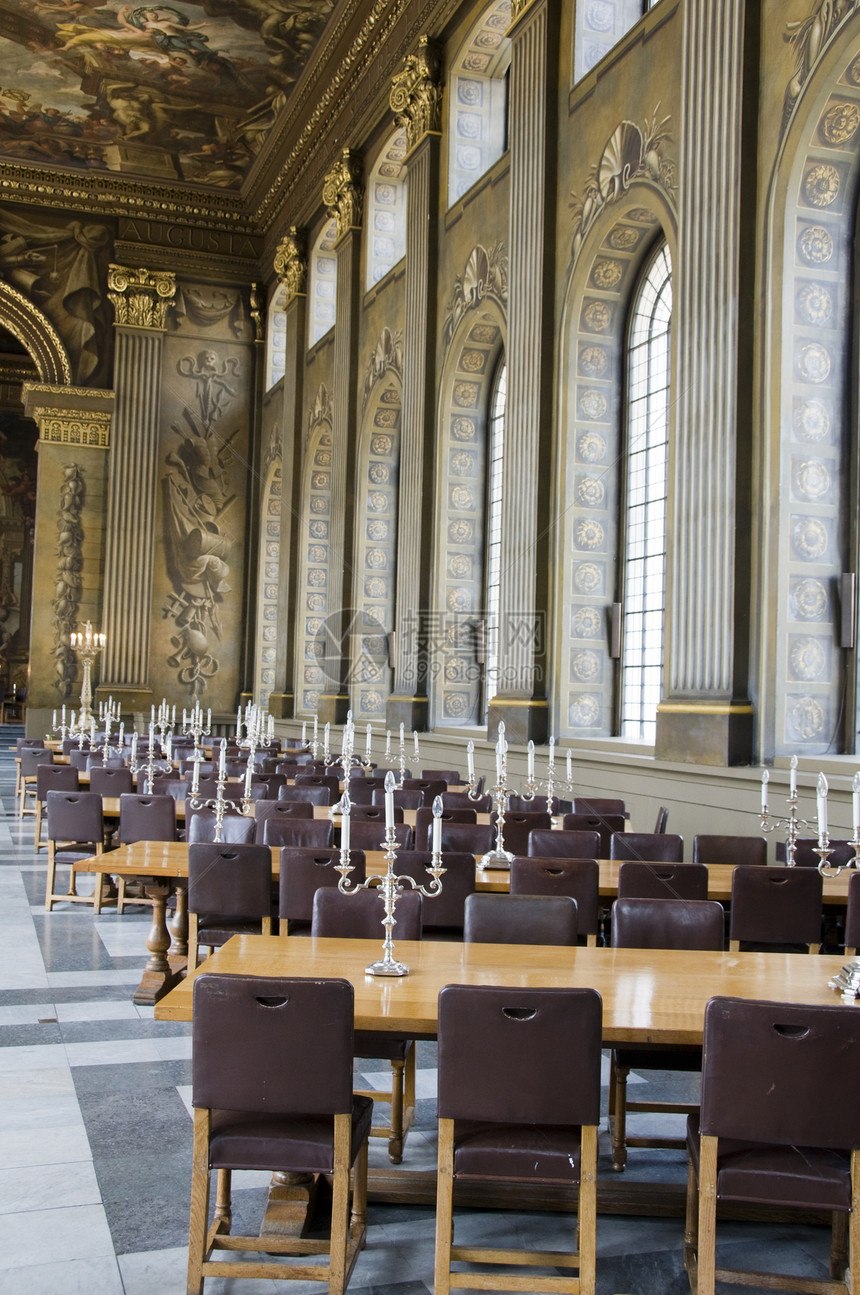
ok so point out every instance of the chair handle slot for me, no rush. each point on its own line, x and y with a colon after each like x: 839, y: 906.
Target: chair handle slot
x: 279, y: 1001
x: 519, y: 1013
x: 791, y: 1031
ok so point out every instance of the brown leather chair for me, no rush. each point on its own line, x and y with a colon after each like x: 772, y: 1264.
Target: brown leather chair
x: 733, y: 850
x: 361, y: 790
x: 229, y: 893
x: 303, y: 873
x: 313, y: 833
x: 374, y: 814
x: 369, y: 835
x: 52, y: 777
x: 307, y: 793
x: 605, y: 825
x: 359, y: 917
x: 408, y: 799
x: 578, y: 878
x: 146, y: 818
x: 445, y: 910
x: 545, y: 843
x: 450, y: 777
x: 777, y: 909
x: 518, y: 825
x: 806, y: 856
x: 534, y: 804
x: 520, y: 919
x: 279, y: 809
x: 656, y: 924
x: 852, y: 916
x: 662, y: 881
x: 320, y: 780
x: 30, y: 758
x: 106, y: 781
x: 74, y: 832
x: 233, y: 789
x: 272, y: 1089
x: 424, y: 823
x: 201, y: 825
x: 767, y: 1137
x: 467, y: 838
x: 539, y: 1126
x: 273, y: 783
x: 462, y: 800
x: 598, y: 805
x: 660, y: 847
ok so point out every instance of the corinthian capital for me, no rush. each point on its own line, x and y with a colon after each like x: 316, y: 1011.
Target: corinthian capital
x: 140, y: 297
x: 291, y: 263
x: 342, y: 193
x: 416, y: 96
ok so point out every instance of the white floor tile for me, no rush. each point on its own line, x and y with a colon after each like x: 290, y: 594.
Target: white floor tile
x: 78, y: 1277
x: 110, y: 1009
x: 55, y: 1235
x: 42, y: 1187
x: 26, y: 1013
x: 36, y: 1083
x: 20, y: 1148
x: 164, y: 1272
x: 110, y: 1052
x: 176, y: 1048
x: 44, y: 1056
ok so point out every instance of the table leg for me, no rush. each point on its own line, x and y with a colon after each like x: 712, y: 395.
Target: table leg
x: 158, y: 975
x: 179, y: 925
x: 290, y: 1205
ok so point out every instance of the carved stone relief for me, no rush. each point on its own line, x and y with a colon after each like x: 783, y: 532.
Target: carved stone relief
x: 386, y: 357
x: 810, y: 37
x: 140, y: 297
x: 314, y: 537
x: 291, y: 263
x: 416, y: 96
x: 70, y: 564
x: 485, y: 275
x: 342, y: 193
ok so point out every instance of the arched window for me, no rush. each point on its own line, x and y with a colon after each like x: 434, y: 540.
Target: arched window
x: 478, y: 100
x: 386, y: 209
x: 493, y: 576
x: 276, y: 338
x: 322, y: 287
x: 645, y: 491
x: 600, y: 25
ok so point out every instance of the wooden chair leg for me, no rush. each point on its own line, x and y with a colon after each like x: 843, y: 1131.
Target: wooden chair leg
x: 52, y: 874
x: 707, y: 1234
x: 199, y: 1202
x: 853, y: 1274
x: 444, y: 1208
x: 339, y: 1206
x: 37, y: 835
x: 618, y: 1111
x: 691, y: 1225
x: 587, y: 1214
x: 358, y: 1216
x: 395, y: 1141
x: 224, y: 1199
x: 838, y: 1245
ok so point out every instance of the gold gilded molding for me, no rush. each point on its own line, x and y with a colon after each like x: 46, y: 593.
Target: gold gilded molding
x: 416, y: 96
x: 342, y: 193
x: 35, y: 331
x: 140, y: 297
x: 518, y: 8
x: 73, y: 427
x: 291, y: 264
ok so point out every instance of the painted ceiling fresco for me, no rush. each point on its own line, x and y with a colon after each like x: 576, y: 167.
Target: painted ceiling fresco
x: 166, y: 91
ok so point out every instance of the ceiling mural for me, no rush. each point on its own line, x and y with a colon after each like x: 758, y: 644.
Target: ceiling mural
x: 168, y: 91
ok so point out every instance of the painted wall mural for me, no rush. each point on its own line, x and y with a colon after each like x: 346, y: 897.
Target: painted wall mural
x: 314, y: 522
x: 268, y: 590
x: 176, y: 91
x: 809, y: 37
x: 70, y: 565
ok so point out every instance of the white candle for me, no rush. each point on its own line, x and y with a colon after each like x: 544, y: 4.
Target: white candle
x: 72, y: 720
x: 121, y: 739
x: 499, y: 761
x: 151, y: 733
x: 345, y: 819
x: 855, y: 802
x: 249, y: 769
x: 173, y: 716
x: 437, y: 825
x: 316, y: 726
x: 388, y: 742
x: 530, y: 758
x: 792, y: 786
x: 168, y: 747
x: 326, y: 732
x: 389, y: 800
x: 415, y: 742
x: 304, y: 733
x: 134, y: 747
x: 822, y: 806
x: 368, y: 746
x: 152, y: 713
x: 222, y: 759
x: 63, y: 716
x: 470, y: 760
x: 569, y: 767
x: 54, y: 719
x: 239, y: 722
x: 765, y: 779
x: 402, y: 735
x: 552, y: 752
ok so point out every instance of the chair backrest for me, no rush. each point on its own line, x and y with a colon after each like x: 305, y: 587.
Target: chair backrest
x: 662, y: 847
x: 274, y: 782
x: 520, y: 919
x: 518, y: 825
x: 361, y: 790
x: 403, y: 799
x: 200, y: 825
x: 806, y: 856
x: 304, y: 872
x: 56, y: 777
x: 852, y: 912
x: 320, y: 780
x: 146, y: 818
x: 525, y: 805
x: 450, y: 777
x: 431, y: 787
x: 640, y: 880
x: 374, y: 813
x: 424, y: 823
x: 667, y: 924
x: 467, y: 838
x: 761, y: 1073
x: 662, y: 819
x: 368, y: 836
x: 776, y: 905
x: 309, y: 795
x: 462, y: 800
x: 229, y: 880
x: 165, y: 784
x: 605, y: 825
x: 32, y: 757
x: 598, y: 805
x: 448, y: 908
x: 208, y: 790
x: 74, y: 816
x: 546, y: 1042
x: 314, y: 833
x: 544, y: 843
x: 730, y: 849
x: 578, y: 878
x: 79, y: 759
x: 280, y: 810
x: 272, y: 1045
x: 359, y: 916
x: 22, y: 743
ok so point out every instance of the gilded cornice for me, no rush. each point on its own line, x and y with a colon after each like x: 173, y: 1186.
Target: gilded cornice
x: 416, y: 96
x: 342, y: 193
x: 140, y: 297
x: 72, y: 426
x: 84, y: 393
x: 291, y: 263
x: 26, y: 322
x: 518, y: 8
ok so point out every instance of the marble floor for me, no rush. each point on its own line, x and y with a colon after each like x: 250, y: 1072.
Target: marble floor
x: 95, y: 1131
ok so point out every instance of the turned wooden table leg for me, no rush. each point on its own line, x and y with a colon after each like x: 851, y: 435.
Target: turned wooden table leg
x: 179, y: 925
x: 290, y: 1204
x: 158, y: 975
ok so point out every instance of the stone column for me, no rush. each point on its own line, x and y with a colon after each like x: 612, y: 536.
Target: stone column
x: 705, y: 715
x: 68, y: 551
x: 250, y: 646
x: 291, y: 267
x: 521, y: 699
x: 416, y: 100
x: 343, y: 198
x: 140, y: 299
